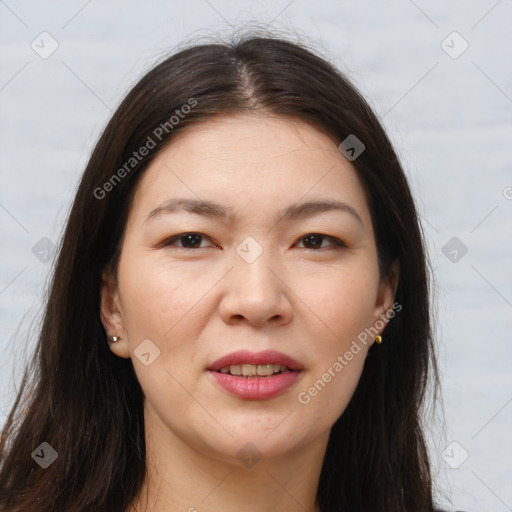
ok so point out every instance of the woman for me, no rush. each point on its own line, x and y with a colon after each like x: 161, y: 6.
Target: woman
x: 239, y: 315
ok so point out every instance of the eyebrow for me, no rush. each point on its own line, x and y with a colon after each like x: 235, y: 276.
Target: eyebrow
x: 211, y: 209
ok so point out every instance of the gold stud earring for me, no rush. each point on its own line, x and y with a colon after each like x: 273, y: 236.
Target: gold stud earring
x: 378, y: 339
x: 113, y: 339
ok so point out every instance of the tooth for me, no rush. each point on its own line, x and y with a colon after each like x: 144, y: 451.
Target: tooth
x: 235, y: 369
x: 249, y: 370
x: 265, y: 369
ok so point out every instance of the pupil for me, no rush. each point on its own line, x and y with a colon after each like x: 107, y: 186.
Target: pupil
x: 190, y: 236
x: 318, y: 239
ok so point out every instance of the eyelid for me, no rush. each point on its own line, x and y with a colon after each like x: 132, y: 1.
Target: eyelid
x: 337, y: 244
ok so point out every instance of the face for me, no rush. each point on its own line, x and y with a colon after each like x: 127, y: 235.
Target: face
x: 196, y: 284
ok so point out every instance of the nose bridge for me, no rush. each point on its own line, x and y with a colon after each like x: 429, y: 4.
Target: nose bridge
x: 255, y: 291
x: 253, y: 264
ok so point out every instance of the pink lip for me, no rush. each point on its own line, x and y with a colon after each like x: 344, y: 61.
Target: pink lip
x: 264, y: 357
x: 256, y: 387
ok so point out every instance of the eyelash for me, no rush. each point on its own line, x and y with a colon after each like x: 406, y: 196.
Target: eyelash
x: 338, y: 244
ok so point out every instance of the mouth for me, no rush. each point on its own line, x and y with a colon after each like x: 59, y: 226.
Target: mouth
x: 252, y: 370
x: 255, y: 363
x: 255, y: 376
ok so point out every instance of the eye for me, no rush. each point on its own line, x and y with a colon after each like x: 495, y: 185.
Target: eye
x: 315, y: 240
x: 190, y: 240
x: 193, y: 241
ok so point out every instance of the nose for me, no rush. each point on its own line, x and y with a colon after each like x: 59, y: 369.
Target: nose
x: 257, y: 293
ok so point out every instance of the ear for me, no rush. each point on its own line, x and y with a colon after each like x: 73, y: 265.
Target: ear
x: 112, y: 316
x: 386, y: 296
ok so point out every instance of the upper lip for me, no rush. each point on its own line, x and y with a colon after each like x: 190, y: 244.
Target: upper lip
x: 263, y: 357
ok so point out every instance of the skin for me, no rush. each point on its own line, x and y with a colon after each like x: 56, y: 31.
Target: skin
x: 199, y: 304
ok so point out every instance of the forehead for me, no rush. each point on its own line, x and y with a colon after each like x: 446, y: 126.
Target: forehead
x: 253, y: 164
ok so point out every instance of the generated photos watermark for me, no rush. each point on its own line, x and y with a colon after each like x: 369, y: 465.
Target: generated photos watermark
x: 369, y: 333
x: 158, y: 133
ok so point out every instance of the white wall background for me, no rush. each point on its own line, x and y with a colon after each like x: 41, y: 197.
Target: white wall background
x: 448, y: 113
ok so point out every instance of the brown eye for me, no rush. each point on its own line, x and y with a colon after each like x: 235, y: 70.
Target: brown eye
x: 188, y: 240
x: 314, y: 240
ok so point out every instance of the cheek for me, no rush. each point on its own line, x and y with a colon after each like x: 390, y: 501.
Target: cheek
x: 156, y: 297
x: 335, y: 373
x: 343, y: 299
x: 162, y: 304
x: 324, y: 398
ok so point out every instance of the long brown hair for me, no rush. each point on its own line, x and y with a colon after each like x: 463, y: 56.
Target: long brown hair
x: 86, y: 403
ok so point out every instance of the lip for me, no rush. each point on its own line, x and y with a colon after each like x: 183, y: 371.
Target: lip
x: 263, y: 357
x: 255, y: 387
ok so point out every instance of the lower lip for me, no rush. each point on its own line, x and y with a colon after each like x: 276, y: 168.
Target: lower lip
x: 255, y: 388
